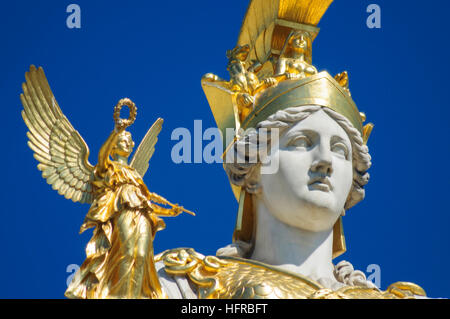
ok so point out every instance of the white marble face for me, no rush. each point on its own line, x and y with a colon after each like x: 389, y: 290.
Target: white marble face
x: 315, y: 174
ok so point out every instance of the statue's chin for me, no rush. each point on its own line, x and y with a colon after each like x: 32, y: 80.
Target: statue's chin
x: 121, y: 154
x: 314, y: 211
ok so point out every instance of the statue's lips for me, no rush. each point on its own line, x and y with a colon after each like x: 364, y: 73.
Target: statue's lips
x: 320, y: 183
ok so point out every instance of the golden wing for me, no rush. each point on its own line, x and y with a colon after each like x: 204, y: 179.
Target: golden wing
x: 61, y: 151
x: 268, y: 23
x: 146, y: 149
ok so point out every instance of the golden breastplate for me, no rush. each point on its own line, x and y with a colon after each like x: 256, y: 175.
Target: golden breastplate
x: 239, y: 278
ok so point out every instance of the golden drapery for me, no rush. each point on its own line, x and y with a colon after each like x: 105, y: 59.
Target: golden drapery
x: 119, y: 257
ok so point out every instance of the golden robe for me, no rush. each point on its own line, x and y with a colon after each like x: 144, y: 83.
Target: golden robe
x: 119, y: 257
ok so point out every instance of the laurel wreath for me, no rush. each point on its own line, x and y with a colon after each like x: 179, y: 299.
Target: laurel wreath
x: 133, y: 112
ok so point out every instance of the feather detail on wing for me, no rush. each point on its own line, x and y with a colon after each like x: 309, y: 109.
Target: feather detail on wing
x: 61, y: 151
x: 146, y: 149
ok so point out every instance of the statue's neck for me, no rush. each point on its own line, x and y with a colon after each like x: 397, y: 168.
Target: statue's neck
x: 121, y: 159
x: 298, y: 55
x: 304, y: 252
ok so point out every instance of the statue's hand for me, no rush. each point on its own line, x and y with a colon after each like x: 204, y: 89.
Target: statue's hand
x: 121, y: 125
x: 248, y: 99
x: 177, y: 209
x: 292, y: 76
x: 270, y: 81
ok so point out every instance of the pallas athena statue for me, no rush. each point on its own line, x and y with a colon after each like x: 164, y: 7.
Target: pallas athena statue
x: 298, y: 159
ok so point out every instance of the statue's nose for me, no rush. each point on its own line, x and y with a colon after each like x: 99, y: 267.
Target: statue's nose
x: 323, y: 167
x: 323, y: 161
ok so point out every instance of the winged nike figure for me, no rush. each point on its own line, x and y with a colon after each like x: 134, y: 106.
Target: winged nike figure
x: 119, y: 257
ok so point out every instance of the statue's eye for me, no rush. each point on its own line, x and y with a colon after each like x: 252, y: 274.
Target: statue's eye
x: 300, y: 141
x: 340, y: 148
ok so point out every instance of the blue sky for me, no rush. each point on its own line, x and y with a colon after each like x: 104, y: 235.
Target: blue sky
x: 155, y: 53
